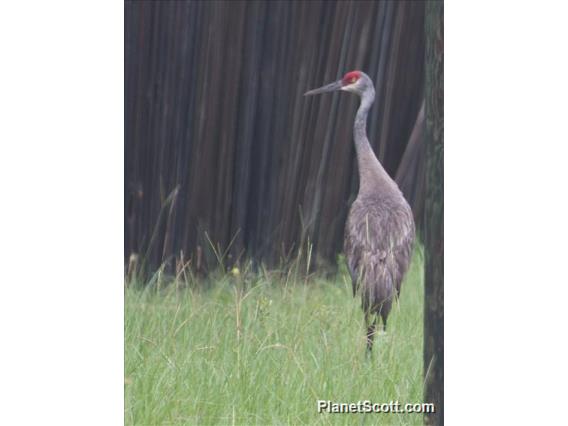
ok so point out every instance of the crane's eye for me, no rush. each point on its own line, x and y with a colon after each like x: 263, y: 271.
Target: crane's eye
x: 353, y: 80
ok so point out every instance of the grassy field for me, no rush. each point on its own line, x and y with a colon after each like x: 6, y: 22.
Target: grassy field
x: 263, y: 349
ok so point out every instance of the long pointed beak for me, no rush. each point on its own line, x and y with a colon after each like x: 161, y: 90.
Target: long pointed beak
x: 328, y: 88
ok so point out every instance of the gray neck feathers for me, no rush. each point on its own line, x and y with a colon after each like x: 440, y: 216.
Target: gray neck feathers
x: 372, y: 175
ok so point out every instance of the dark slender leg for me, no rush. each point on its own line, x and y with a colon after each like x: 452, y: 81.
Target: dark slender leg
x: 370, y: 332
x: 384, y: 322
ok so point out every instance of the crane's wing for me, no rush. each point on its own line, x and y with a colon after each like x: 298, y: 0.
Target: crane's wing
x: 378, y: 239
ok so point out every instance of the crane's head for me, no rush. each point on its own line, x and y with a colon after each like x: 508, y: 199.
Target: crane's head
x: 354, y: 81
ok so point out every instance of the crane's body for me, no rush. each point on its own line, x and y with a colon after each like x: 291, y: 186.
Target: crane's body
x: 379, y: 232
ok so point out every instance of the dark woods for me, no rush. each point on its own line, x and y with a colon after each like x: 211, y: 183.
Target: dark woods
x: 221, y: 148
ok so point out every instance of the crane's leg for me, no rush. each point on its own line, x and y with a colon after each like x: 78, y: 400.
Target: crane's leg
x: 384, y: 316
x: 371, y: 321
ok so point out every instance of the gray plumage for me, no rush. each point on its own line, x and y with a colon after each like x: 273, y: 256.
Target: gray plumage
x: 379, y: 232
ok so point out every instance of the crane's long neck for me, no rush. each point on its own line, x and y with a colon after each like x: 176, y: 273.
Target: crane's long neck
x: 371, y: 173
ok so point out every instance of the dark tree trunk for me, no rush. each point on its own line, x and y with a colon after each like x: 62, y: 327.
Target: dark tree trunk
x: 434, y: 212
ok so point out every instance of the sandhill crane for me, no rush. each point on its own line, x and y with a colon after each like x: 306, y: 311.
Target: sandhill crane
x: 379, y: 232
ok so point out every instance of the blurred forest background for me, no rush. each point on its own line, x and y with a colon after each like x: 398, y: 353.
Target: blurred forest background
x: 222, y: 149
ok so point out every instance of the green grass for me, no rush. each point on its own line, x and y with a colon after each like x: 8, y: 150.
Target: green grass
x: 263, y: 349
